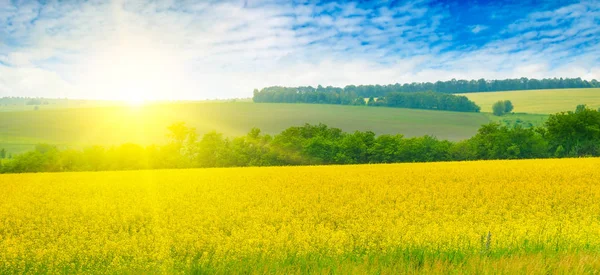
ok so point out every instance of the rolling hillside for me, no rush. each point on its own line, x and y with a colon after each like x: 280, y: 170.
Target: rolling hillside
x: 147, y: 124
x: 539, y: 101
x: 74, y: 127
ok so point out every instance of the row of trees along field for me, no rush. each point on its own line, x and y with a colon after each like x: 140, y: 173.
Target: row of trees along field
x: 270, y: 94
x: 567, y: 134
x: 26, y: 101
x: 416, y: 100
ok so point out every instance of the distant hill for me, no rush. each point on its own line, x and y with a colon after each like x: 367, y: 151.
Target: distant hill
x: 67, y: 126
x: 8, y: 104
x: 20, y: 131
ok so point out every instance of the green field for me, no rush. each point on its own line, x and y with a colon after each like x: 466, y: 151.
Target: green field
x: 147, y: 124
x: 539, y: 101
x: 75, y: 127
x: 521, y: 119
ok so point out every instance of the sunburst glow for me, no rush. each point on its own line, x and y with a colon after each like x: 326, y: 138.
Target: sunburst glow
x: 135, y: 69
x: 135, y: 102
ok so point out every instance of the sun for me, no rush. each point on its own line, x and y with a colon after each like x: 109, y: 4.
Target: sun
x: 136, y: 102
x: 134, y: 71
x: 134, y: 95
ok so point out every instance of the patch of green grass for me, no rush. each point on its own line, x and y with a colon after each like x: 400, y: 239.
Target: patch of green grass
x: 415, y: 261
x: 539, y: 101
x: 400, y: 261
x: 147, y: 124
x: 522, y: 119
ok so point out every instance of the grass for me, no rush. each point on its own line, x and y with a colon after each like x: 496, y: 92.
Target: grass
x: 147, y: 124
x: 539, y: 101
x: 525, y: 120
x: 418, y: 262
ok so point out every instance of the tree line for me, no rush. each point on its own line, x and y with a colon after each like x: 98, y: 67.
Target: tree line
x: 429, y: 100
x: 567, y: 134
x: 25, y: 101
x: 451, y: 86
x: 416, y: 100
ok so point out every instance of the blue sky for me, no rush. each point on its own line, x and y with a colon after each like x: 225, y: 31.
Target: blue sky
x: 125, y: 49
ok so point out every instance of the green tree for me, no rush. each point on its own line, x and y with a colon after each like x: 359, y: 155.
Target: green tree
x: 359, y: 101
x: 578, y: 133
x: 463, y: 150
x: 127, y: 156
x: 559, y: 152
x: 385, y: 149
x: 508, y: 106
x: 499, y: 108
x: 371, y: 101
x: 2, y: 153
x: 184, y: 139
x: 95, y: 158
x: 494, y: 141
x: 354, y: 148
x: 178, y: 132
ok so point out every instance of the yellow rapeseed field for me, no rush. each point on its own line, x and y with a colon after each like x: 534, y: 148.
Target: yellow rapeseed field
x: 491, y: 216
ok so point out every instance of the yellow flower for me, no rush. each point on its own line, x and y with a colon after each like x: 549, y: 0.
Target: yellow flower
x: 166, y: 221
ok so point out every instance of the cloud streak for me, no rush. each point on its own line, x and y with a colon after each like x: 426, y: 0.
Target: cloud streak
x: 189, y: 50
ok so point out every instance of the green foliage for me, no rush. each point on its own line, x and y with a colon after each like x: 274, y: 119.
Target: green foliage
x: 359, y: 102
x: 502, y: 107
x: 494, y: 141
x: 371, y: 101
x: 385, y: 148
x: 305, y: 145
x: 499, y: 108
x: 573, y: 134
x: 432, y: 101
x: 520, y: 119
x: 566, y: 134
x: 2, y: 153
x: 508, y: 106
x: 559, y: 152
x: 330, y: 95
x: 179, y: 133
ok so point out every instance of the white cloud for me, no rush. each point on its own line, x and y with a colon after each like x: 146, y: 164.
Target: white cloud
x: 225, y: 49
x: 34, y: 82
x: 478, y: 28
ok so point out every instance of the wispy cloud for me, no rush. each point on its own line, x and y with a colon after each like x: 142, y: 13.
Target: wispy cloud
x: 478, y: 28
x: 172, y: 49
